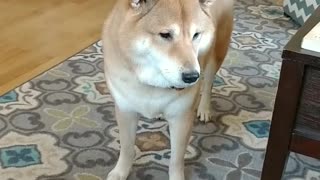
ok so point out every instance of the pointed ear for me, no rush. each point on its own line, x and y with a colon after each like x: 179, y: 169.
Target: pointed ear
x: 142, y: 6
x: 135, y: 4
x: 206, y: 2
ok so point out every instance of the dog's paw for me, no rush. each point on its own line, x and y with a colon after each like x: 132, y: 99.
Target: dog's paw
x: 115, y: 175
x: 204, y: 113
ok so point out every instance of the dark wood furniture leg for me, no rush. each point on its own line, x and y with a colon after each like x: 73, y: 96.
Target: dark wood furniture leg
x: 283, y: 120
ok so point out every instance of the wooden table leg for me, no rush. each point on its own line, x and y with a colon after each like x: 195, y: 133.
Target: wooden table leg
x: 283, y: 120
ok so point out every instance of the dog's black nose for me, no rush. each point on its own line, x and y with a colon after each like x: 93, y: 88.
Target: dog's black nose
x: 190, y: 77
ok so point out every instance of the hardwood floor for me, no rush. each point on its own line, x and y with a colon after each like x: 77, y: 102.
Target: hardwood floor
x: 36, y: 35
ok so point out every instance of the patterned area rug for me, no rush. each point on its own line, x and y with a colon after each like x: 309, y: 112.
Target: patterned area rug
x: 61, y: 126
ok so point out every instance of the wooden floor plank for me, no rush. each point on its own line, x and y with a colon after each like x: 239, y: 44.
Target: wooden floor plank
x: 35, y: 35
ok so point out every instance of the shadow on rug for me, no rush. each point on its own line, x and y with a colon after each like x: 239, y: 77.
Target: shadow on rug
x: 61, y: 126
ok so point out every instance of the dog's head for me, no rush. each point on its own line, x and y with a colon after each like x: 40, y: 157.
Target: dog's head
x: 164, y: 38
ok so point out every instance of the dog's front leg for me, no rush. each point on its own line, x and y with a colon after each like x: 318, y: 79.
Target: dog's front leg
x: 180, y: 131
x: 127, y: 123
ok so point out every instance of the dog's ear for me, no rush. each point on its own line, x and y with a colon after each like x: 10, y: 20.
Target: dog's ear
x: 136, y: 4
x: 206, y: 2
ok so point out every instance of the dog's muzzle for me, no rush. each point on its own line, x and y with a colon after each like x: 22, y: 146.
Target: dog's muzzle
x: 190, y: 77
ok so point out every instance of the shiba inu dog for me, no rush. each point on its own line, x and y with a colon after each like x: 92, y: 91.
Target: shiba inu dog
x: 160, y: 60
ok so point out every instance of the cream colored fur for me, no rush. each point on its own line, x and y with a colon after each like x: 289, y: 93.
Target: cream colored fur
x: 144, y: 68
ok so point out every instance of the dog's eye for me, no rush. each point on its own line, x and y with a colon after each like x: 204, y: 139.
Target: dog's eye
x: 166, y: 36
x: 196, y: 36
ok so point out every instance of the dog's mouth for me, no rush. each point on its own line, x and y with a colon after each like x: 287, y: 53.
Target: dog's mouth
x: 177, y: 89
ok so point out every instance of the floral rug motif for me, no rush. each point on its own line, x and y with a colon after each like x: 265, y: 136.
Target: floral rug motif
x: 61, y: 125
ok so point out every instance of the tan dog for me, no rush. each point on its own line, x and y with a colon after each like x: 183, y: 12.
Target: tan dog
x: 154, y: 53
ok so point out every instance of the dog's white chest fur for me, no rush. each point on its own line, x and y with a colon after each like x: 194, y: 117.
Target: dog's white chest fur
x: 150, y: 102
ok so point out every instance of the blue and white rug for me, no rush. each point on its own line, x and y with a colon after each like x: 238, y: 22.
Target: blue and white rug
x: 61, y: 126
